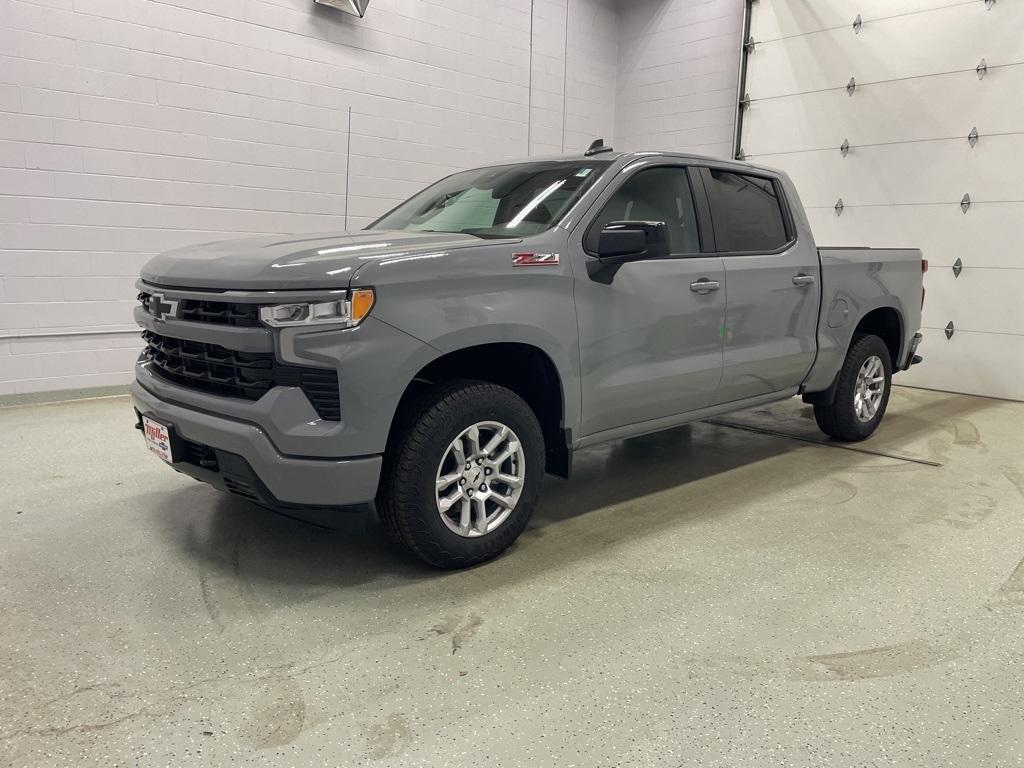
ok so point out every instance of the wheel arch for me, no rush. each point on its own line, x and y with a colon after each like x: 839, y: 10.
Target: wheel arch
x: 525, y: 368
x: 883, y: 320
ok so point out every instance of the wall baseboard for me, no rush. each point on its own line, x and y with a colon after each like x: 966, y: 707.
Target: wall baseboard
x: 61, y: 395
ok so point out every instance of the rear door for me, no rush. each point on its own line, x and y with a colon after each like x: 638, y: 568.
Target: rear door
x: 772, y: 284
x: 650, y: 331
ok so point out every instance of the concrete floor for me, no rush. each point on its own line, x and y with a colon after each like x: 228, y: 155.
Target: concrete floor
x: 708, y: 597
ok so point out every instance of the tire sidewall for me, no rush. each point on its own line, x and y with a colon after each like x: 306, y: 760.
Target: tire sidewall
x: 501, y: 405
x: 862, y: 349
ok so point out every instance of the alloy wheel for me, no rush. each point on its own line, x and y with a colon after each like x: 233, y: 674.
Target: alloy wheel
x: 480, y: 479
x: 869, y: 389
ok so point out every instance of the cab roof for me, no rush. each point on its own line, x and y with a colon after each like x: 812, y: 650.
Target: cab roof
x: 623, y: 158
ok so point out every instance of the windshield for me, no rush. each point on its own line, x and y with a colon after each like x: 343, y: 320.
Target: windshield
x: 503, y: 201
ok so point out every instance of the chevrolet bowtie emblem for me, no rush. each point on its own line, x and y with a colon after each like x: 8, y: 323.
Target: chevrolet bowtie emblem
x: 161, y: 307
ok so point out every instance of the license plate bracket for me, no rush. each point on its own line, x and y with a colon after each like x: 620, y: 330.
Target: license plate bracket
x: 158, y: 438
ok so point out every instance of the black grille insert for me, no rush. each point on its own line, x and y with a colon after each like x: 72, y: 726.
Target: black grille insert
x: 241, y: 488
x: 216, y: 312
x: 196, y: 453
x: 221, y: 313
x: 249, y: 375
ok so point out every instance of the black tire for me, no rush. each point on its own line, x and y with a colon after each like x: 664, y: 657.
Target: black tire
x: 406, y: 500
x: 839, y: 418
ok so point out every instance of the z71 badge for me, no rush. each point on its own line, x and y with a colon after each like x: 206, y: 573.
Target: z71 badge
x: 534, y: 259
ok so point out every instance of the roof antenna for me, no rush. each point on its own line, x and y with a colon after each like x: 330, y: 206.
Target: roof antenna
x: 596, y: 148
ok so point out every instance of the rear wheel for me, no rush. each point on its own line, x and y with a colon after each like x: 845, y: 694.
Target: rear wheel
x: 462, y: 480
x: 862, y: 392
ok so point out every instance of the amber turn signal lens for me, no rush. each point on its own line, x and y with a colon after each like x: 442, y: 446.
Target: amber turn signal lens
x: 362, y: 303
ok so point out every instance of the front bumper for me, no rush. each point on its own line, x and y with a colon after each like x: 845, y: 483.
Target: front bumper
x: 241, y: 448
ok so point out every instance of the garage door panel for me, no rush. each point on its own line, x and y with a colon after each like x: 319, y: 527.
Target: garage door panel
x: 909, y: 110
x: 986, y: 364
x: 910, y: 163
x: 980, y: 238
x: 772, y: 20
x: 902, y: 174
x: 954, y: 38
x: 981, y: 300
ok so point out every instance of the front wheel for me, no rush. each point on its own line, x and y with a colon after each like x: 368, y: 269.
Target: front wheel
x: 463, y: 478
x: 862, y: 392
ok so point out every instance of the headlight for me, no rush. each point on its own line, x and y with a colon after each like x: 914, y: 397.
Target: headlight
x: 341, y: 313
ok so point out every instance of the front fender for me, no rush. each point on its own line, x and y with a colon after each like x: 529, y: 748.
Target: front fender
x: 454, y: 300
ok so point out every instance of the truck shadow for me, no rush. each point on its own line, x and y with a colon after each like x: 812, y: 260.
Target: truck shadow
x: 231, y: 534
x: 619, y: 493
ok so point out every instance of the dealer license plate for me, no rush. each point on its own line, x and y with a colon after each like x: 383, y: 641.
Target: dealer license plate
x: 158, y: 438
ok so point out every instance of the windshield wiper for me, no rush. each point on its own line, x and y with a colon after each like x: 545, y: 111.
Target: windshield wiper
x: 489, y: 236
x: 456, y: 232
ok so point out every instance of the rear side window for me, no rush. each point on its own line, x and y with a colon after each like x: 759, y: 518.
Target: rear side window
x: 747, y: 212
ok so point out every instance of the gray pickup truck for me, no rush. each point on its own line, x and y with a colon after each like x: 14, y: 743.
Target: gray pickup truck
x: 440, y: 361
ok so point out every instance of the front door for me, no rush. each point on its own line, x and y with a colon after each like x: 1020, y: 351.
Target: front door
x: 773, y: 290
x: 650, y: 331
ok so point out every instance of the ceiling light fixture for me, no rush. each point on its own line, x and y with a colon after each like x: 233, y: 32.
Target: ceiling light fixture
x: 355, y: 7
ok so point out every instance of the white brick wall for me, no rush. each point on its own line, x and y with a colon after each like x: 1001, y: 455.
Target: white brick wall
x: 128, y: 127
x: 678, y: 68
x: 575, y: 68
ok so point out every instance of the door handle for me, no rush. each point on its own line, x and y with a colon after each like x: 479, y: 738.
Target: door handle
x: 705, y: 286
x: 803, y: 279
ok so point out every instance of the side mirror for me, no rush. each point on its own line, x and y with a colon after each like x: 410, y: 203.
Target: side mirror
x: 625, y: 241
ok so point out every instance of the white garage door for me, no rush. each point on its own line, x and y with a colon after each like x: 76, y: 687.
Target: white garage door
x: 915, y: 94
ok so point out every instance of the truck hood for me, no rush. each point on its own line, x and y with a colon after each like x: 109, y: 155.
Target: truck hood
x: 326, y: 260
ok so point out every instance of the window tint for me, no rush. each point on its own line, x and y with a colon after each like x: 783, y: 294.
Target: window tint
x: 746, y: 211
x: 656, y: 194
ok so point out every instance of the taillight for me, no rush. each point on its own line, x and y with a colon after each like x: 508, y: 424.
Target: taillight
x: 924, y: 268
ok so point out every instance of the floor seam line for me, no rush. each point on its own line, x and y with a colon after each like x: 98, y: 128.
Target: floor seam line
x: 788, y: 436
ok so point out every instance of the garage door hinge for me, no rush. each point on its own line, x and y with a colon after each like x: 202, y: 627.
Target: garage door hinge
x: 745, y: 101
x: 851, y: 87
x: 857, y: 25
x: 741, y: 155
x: 958, y: 267
x: 972, y: 137
x: 981, y: 69
x: 750, y: 45
x: 844, y: 148
x: 989, y: 4
x: 965, y: 203
x: 950, y: 330
x: 839, y: 207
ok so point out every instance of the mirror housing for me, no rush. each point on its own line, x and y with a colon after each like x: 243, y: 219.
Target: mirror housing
x: 625, y: 241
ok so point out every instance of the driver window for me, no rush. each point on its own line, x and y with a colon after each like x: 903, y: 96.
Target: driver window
x: 654, y: 194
